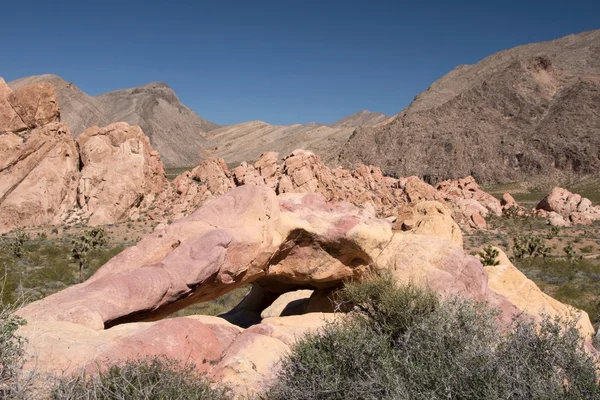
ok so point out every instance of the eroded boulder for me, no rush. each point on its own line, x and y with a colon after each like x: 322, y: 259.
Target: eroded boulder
x: 563, y: 208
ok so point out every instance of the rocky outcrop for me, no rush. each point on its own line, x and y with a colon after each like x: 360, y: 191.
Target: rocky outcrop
x: 429, y: 218
x: 563, y: 208
x: 470, y: 204
x: 120, y: 171
x: 38, y: 159
x: 38, y: 176
x: 280, y: 244
x: 303, y: 172
x: 174, y: 130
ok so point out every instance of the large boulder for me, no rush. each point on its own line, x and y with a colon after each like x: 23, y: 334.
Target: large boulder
x: 249, y: 234
x: 280, y: 244
x: 10, y: 121
x: 564, y: 208
x: 36, y: 104
x: 38, y: 176
x: 120, y: 171
x: 430, y: 218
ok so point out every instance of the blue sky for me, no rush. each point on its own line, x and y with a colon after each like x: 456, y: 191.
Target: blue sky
x: 279, y: 61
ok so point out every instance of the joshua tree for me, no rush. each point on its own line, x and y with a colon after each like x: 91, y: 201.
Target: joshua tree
x: 90, y: 240
x: 489, y: 256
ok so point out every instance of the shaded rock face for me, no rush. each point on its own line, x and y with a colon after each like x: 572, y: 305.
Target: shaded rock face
x: 279, y: 243
x: 563, y: 208
x: 38, y: 158
x: 120, y: 171
x: 526, y: 114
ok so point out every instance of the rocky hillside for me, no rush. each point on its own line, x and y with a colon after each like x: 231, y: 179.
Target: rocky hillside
x: 248, y: 140
x: 175, y: 131
x: 361, y: 118
x: 528, y: 113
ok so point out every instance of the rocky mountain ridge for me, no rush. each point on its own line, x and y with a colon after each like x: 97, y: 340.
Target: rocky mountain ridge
x: 181, y: 136
x: 523, y: 114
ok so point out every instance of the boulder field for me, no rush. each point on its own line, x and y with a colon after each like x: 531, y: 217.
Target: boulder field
x: 279, y: 243
x: 112, y: 174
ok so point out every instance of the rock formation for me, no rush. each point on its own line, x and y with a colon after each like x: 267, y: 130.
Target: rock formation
x: 281, y: 244
x: 563, y: 208
x: 525, y: 114
x: 120, y: 171
x: 38, y: 159
x: 175, y: 131
x: 507, y: 280
x: 46, y: 178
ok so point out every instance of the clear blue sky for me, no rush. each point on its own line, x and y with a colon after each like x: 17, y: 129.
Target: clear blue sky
x: 279, y: 61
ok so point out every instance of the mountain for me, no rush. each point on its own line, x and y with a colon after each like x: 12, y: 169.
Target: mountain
x: 175, y: 131
x: 248, y: 140
x: 78, y: 109
x: 361, y: 118
x: 531, y: 113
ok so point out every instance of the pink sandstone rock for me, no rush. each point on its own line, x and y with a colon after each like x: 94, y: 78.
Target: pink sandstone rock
x: 36, y: 104
x: 9, y: 119
x: 120, y: 171
x: 571, y: 207
x: 279, y: 243
x: 38, y: 176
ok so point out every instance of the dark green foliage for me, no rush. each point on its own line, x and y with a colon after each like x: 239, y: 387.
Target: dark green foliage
x: 406, y: 343
x: 16, y: 244
x: 90, y: 240
x: 489, y: 256
x: 554, y: 232
x: 148, y: 379
x: 572, y: 253
x: 529, y: 246
x: 11, y: 354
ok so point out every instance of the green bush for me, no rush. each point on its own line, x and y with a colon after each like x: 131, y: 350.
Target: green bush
x: 529, y: 246
x: 148, y: 379
x: 489, y: 256
x: 12, y: 382
x: 407, y: 343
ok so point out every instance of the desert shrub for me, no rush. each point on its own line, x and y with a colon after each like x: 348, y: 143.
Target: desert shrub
x: 12, y: 380
x: 571, y: 253
x: 529, y: 246
x: 554, y: 232
x: 489, y: 256
x: 16, y: 244
x: 82, y: 246
x: 147, y: 379
x: 407, y: 343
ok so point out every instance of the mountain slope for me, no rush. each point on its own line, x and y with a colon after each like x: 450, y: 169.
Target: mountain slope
x: 248, y: 140
x: 175, y: 131
x: 528, y: 113
x: 361, y: 118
